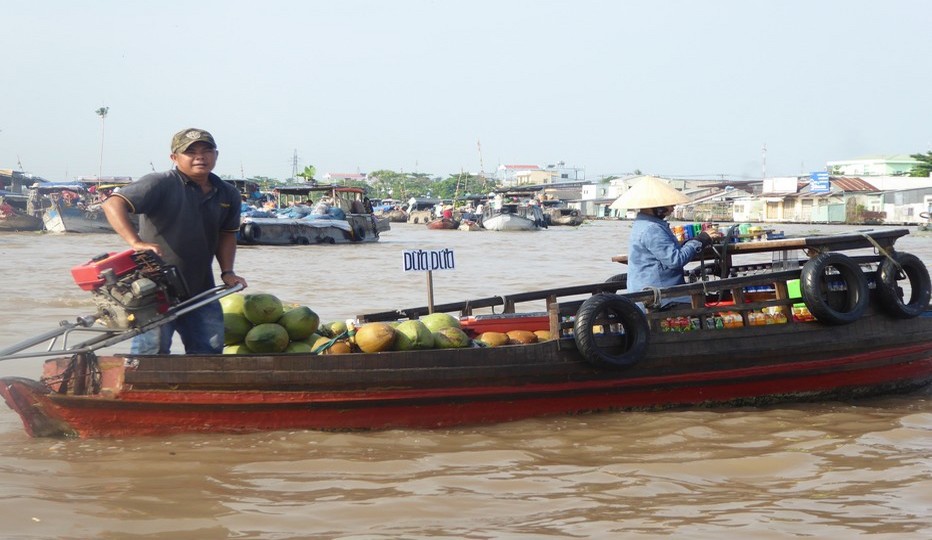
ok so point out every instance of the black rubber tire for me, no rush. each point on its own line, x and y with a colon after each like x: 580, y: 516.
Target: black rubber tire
x: 252, y: 232
x: 611, y: 309
x: 890, y: 294
x: 359, y: 233
x: 619, y: 278
x: 835, y: 308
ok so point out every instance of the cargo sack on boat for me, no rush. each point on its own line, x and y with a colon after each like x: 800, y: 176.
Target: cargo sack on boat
x: 834, y: 288
x: 899, y: 267
x: 611, y: 331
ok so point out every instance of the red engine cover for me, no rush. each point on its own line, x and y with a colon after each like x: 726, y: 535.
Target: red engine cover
x: 87, y: 275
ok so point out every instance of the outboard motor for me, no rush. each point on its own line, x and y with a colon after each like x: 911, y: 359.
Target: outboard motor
x: 130, y: 288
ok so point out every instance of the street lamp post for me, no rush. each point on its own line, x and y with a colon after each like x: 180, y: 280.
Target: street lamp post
x: 102, y: 113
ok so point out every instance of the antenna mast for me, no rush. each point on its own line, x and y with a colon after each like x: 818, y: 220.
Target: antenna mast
x: 763, y: 162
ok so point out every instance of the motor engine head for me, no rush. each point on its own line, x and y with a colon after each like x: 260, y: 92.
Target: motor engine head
x: 130, y: 288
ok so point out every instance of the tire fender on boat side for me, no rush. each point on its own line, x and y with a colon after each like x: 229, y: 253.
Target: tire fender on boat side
x: 890, y: 294
x: 252, y: 232
x: 359, y: 233
x: 609, y: 310
x: 839, y: 307
x: 621, y: 279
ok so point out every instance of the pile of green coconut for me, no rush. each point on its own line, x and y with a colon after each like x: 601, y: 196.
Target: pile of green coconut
x: 262, y: 324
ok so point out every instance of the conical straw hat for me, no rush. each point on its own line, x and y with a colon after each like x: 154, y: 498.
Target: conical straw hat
x: 651, y: 192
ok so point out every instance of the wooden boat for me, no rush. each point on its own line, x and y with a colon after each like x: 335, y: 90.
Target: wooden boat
x: 470, y: 225
x: 556, y: 212
x: 70, y: 208
x: 15, y: 219
x: 513, y: 216
x: 605, y: 354
x: 391, y: 209
x: 421, y: 210
x: 340, y: 216
x: 443, y: 224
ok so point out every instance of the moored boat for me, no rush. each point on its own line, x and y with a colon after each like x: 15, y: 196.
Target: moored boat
x: 556, y: 212
x: 871, y: 334
x: 15, y: 219
x: 513, y: 216
x: 69, y: 208
x: 340, y: 215
x: 443, y: 223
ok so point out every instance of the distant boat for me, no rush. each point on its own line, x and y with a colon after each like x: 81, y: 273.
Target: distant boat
x: 340, y: 216
x: 72, y: 215
x: 14, y: 219
x: 420, y: 210
x: 514, y: 216
x: 443, y: 223
x: 556, y: 212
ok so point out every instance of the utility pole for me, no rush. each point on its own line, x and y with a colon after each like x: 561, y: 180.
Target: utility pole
x: 481, y: 167
x: 294, y: 164
x: 102, y: 113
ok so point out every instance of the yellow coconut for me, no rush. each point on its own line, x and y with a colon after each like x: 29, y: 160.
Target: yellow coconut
x: 493, y: 339
x: 521, y: 337
x: 542, y: 335
x: 339, y: 347
x: 375, y: 337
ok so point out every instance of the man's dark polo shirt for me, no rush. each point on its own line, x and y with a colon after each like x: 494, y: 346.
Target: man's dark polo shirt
x: 184, y: 221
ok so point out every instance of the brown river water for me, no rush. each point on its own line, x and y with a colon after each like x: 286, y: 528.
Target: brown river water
x: 826, y: 470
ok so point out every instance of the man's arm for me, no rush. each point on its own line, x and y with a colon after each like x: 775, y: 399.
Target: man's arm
x: 116, y: 208
x: 226, y: 256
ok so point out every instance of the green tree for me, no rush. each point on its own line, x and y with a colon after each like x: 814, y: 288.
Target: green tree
x: 265, y: 183
x: 308, y: 173
x: 924, y: 168
x: 464, y: 184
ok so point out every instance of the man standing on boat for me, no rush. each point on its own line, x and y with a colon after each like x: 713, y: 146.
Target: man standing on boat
x: 188, y: 216
x: 655, y: 257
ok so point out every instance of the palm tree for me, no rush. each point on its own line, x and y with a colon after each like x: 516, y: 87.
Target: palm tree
x: 102, y: 113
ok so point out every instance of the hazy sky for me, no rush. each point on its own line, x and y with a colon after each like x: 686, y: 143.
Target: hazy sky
x: 678, y: 88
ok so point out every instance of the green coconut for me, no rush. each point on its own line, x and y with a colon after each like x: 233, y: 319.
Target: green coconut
x: 233, y: 303
x: 262, y: 308
x: 412, y: 335
x: 235, y: 328
x: 333, y: 329
x: 298, y: 347
x: 450, y: 338
x: 267, y: 338
x: 436, y: 321
x: 300, y: 322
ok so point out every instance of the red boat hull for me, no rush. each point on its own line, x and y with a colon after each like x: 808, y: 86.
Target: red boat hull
x: 161, y: 412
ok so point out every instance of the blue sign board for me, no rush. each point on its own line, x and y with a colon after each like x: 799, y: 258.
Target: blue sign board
x: 819, y: 182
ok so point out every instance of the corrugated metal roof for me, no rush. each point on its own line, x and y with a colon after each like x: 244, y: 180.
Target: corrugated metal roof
x: 849, y: 184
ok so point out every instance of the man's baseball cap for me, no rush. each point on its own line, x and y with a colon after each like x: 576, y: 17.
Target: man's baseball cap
x: 186, y: 137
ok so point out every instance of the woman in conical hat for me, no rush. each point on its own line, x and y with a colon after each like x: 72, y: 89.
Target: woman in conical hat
x: 655, y: 257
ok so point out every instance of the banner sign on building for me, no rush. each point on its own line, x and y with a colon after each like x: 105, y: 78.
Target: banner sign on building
x: 819, y: 182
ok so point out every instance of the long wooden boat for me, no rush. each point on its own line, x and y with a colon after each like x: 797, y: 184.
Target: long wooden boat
x: 871, y: 334
x: 348, y: 219
x: 15, y: 219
